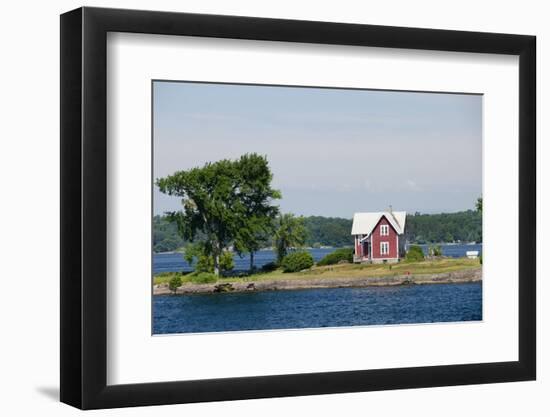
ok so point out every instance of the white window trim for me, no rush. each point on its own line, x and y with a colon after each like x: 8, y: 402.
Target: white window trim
x: 384, y: 248
x: 384, y: 230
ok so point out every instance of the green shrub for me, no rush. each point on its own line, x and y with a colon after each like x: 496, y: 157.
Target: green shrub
x: 414, y: 254
x: 175, y: 283
x: 226, y: 261
x: 297, y: 261
x: 435, y: 250
x: 481, y: 259
x: 205, y: 263
x: 343, y: 254
x: 170, y: 274
x: 269, y: 267
x: 203, y: 278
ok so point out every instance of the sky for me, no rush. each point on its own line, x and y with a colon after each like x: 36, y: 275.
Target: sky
x: 333, y: 152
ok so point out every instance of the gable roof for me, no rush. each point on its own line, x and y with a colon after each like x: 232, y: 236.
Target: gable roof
x: 364, y: 223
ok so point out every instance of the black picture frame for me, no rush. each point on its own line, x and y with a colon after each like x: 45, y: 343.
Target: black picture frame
x: 84, y: 207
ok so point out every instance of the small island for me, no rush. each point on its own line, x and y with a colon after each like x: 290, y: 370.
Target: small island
x: 228, y: 211
x: 430, y: 271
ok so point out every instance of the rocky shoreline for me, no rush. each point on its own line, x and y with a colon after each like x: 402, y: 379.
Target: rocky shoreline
x: 463, y: 276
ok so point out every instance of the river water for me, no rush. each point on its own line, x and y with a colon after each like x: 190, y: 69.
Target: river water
x: 314, y: 308
x: 174, y: 262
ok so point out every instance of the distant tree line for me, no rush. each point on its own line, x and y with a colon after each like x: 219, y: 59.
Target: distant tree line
x: 165, y: 235
x: 462, y: 226
x: 328, y: 231
x: 319, y: 231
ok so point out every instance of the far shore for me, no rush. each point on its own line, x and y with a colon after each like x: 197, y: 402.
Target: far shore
x: 182, y: 249
x: 458, y: 276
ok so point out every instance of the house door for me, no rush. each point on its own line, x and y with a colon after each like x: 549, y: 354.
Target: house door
x: 366, y: 249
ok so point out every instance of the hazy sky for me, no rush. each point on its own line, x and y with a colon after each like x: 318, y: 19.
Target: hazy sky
x: 332, y: 152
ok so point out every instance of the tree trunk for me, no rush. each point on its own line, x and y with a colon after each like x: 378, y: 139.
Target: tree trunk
x: 217, y: 264
x: 251, y: 261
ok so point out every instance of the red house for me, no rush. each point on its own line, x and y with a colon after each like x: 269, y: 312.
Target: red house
x: 379, y: 237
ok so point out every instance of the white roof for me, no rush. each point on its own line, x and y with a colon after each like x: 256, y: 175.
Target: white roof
x: 363, y: 223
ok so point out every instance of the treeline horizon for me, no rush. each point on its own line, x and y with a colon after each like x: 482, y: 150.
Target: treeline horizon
x: 462, y: 226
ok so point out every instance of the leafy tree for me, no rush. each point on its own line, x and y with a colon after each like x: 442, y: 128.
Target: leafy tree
x: 479, y: 208
x: 290, y: 232
x: 175, y: 283
x: 208, y: 199
x: 218, y: 201
x: 253, y: 236
x: 205, y: 263
x: 479, y: 205
x: 192, y: 251
x: 257, y: 215
x: 196, y: 251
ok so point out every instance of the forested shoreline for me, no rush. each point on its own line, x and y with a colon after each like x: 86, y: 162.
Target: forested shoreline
x: 464, y: 226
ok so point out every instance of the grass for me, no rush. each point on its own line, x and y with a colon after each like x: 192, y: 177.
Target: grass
x: 165, y: 277
x: 424, y: 267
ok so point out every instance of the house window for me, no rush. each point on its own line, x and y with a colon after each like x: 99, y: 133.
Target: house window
x: 384, y: 248
x: 384, y: 230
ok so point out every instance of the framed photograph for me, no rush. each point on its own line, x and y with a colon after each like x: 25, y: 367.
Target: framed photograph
x: 257, y: 208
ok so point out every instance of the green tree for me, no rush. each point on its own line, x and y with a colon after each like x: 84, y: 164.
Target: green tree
x: 205, y: 262
x: 253, y: 236
x: 217, y: 200
x: 479, y: 205
x: 257, y: 212
x: 175, y: 283
x: 192, y: 251
x: 290, y: 232
x: 479, y: 208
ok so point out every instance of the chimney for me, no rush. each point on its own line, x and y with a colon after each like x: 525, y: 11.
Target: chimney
x: 390, y: 209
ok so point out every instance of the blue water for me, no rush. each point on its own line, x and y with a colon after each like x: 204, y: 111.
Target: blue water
x: 455, y: 251
x: 313, y: 308
x: 174, y: 262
